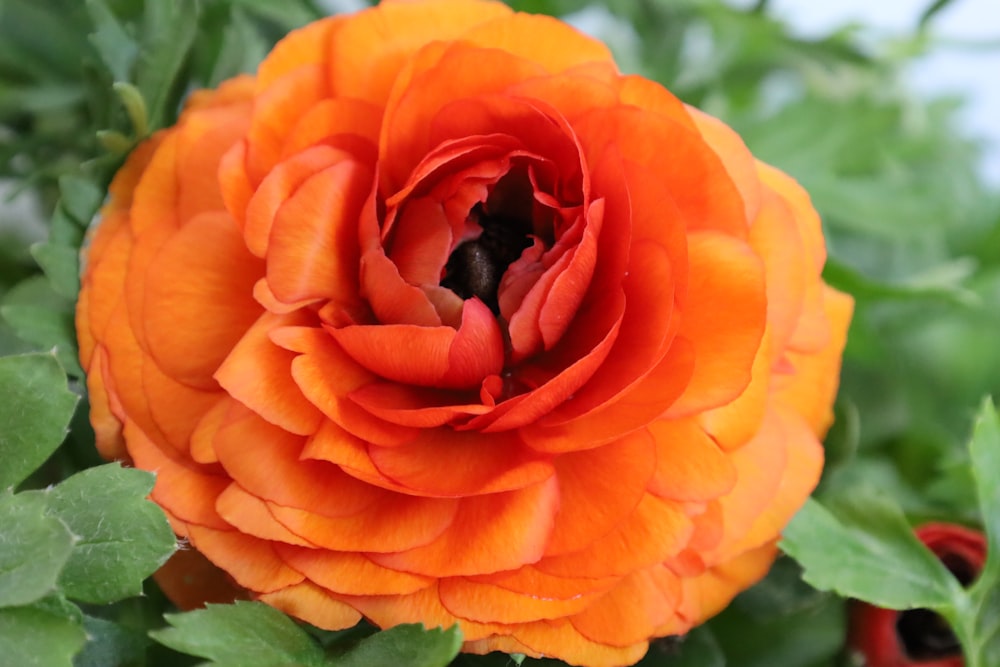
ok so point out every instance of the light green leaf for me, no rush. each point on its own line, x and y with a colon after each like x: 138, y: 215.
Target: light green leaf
x: 978, y: 620
x: 80, y: 198
x: 32, y: 637
x: 244, y: 634
x: 46, y: 327
x: 169, y: 32
x: 34, y: 547
x: 124, y: 537
x: 866, y: 550
x: 410, y: 645
x: 35, y: 408
x: 117, y: 49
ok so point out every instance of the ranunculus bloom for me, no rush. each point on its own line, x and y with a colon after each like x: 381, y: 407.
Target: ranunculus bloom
x: 440, y: 318
x: 920, y: 637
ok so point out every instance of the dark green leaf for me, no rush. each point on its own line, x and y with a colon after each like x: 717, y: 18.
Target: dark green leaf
x: 807, y: 637
x: 405, y: 645
x: 33, y: 549
x: 35, y: 408
x: 124, y: 537
x: 244, y: 634
x: 110, y: 644
x: 698, y: 648
x: 867, y: 551
x: 32, y: 637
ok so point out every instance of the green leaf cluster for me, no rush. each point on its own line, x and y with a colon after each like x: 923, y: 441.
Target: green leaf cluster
x: 864, y: 548
x: 251, y: 634
x: 93, y: 538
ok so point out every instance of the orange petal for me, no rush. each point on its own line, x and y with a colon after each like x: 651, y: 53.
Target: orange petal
x: 394, y: 523
x: 199, y: 299
x: 430, y: 356
x: 689, y: 464
x: 560, y: 638
x: 326, y: 375
x: 308, y: 45
x: 371, y: 48
x: 252, y: 562
x: 350, y: 573
x: 802, y: 469
x: 654, y: 532
x: 186, y: 490
x: 250, y: 515
x: 496, y: 532
x: 706, y: 595
x: 276, y: 110
x: 425, y: 607
x: 734, y: 155
x: 724, y: 318
x: 314, y: 605
x: 477, y: 463
x: 265, y: 460
x: 313, y: 248
x: 811, y: 389
x: 636, y: 609
x: 258, y: 374
x: 491, y: 604
x: 592, y: 502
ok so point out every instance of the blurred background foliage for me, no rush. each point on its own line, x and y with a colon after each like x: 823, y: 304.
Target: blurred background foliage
x: 913, y: 228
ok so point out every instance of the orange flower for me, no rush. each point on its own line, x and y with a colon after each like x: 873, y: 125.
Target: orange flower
x: 442, y: 319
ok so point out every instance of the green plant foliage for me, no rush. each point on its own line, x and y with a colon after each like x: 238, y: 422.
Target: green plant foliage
x: 123, y: 537
x: 244, y: 634
x: 35, y: 548
x: 35, y: 408
x: 913, y: 234
x: 404, y: 645
x: 34, y: 637
x: 865, y: 550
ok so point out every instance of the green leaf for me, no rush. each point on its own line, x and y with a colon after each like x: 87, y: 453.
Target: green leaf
x: 111, y: 645
x: 117, y: 49
x: 80, y: 198
x: 810, y: 636
x: 33, y: 549
x: 866, y: 550
x: 169, y: 32
x: 124, y: 537
x: 244, y: 634
x: 61, y: 265
x: 46, y: 328
x: 35, y: 408
x: 33, y: 637
x: 977, y: 621
x: 985, y: 451
x: 410, y: 645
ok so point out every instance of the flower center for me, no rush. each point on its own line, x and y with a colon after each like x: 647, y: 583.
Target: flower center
x: 476, y: 267
x: 924, y: 634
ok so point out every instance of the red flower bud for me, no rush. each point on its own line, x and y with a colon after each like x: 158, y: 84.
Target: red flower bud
x: 889, y: 638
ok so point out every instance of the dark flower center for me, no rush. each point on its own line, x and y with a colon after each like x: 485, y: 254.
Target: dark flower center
x: 924, y: 634
x: 476, y: 267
